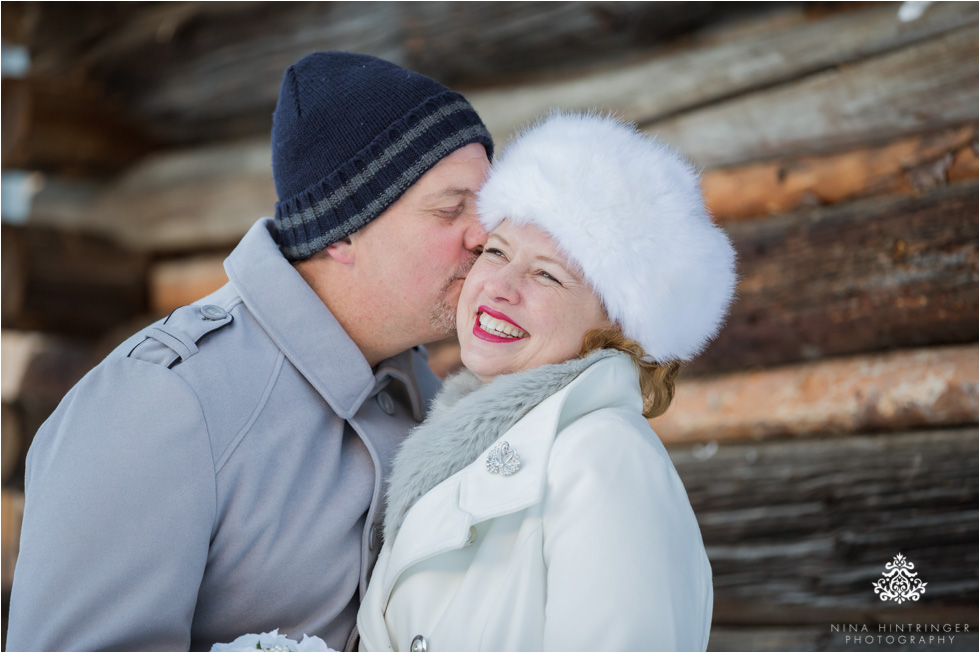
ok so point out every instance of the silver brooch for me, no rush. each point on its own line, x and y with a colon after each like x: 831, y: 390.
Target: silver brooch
x: 502, y: 459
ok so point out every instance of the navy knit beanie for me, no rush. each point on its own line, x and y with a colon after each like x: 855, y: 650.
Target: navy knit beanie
x: 350, y: 134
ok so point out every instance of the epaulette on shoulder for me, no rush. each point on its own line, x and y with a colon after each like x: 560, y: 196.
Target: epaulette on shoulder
x: 176, y: 337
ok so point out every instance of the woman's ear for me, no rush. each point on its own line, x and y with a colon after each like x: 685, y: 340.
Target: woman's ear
x: 341, y: 251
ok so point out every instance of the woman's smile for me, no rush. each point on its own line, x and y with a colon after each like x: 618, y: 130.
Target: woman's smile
x: 494, y: 326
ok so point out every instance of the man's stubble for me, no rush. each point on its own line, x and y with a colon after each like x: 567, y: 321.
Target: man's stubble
x: 442, y: 318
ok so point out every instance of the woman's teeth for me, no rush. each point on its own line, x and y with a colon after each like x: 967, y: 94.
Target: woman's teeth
x: 496, y: 327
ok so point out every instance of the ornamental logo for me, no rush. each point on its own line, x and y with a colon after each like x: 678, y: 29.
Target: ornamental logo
x: 899, y: 583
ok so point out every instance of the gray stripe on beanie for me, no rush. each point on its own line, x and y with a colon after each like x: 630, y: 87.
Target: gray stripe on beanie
x: 370, y: 211
x: 310, y: 213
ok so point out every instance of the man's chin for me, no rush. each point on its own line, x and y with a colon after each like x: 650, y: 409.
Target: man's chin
x: 442, y: 318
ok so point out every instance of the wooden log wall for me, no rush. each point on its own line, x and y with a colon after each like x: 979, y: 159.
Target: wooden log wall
x: 831, y: 426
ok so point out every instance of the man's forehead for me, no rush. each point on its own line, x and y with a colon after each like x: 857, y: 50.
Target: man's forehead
x: 462, y: 171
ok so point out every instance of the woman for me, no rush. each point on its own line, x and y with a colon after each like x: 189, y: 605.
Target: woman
x: 535, y: 509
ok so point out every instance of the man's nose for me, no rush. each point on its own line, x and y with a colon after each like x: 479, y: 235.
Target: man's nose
x: 474, y: 236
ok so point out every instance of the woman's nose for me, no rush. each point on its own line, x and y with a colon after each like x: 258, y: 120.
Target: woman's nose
x: 502, y: 286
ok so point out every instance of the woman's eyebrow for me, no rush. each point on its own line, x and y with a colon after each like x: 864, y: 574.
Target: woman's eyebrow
x: 548, y: 259
x: 540, y: 257
x: 498, y: 237
x: 567, y: 267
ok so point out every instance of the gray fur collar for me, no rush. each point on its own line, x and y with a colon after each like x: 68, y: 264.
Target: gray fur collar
x: 465, y: 418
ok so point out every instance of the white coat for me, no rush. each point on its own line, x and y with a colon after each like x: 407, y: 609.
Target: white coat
x: 590, y: 545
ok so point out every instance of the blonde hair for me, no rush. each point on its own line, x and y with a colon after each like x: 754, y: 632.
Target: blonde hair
x: 656, y: 379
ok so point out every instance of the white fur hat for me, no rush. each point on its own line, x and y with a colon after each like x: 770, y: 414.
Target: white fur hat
x: 628, y: 210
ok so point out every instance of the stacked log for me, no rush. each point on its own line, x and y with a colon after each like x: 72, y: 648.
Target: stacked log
x: 69, y: 282
x: 831, y: 426
x: 857, y: 277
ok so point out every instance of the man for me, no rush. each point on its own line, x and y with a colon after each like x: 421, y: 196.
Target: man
x: 221, y: 471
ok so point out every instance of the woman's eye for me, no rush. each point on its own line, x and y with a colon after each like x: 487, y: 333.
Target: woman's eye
x: 548, y: 276
x: 493, y: 251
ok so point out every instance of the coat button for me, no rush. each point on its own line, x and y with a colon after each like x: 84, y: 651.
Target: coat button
x: 376, y: 537
x: 386, y: 402
x: 212, y: 312
x: 419, y: 644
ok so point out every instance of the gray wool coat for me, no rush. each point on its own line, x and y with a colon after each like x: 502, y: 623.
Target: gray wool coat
x: 219, y: 473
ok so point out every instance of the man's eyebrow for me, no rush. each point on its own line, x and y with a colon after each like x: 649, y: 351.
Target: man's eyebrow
x: 448, y: 193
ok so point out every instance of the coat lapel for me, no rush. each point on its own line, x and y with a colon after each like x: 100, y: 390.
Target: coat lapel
x: 484, y: 495
x: 299, y: 322
x: 440, y: 520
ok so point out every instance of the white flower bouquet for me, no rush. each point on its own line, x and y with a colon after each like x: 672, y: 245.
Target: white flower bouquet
x: 272, y: 642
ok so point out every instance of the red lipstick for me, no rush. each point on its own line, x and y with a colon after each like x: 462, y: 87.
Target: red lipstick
x: 489, y: 337
x: 499, y: 316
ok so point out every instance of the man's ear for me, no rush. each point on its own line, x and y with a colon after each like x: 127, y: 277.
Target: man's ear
x: 341, y: 251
